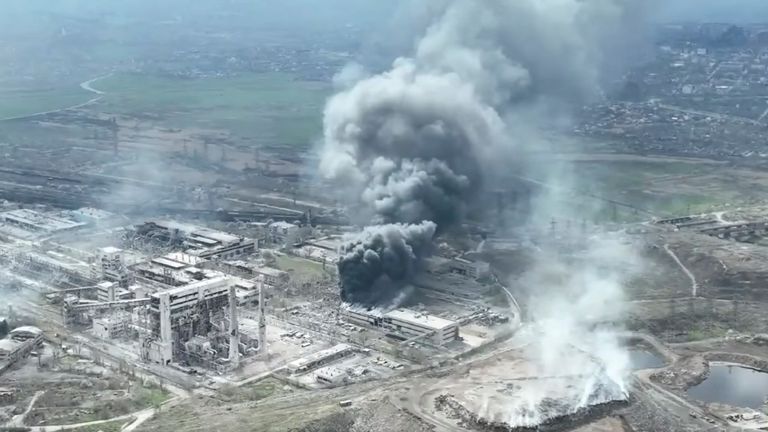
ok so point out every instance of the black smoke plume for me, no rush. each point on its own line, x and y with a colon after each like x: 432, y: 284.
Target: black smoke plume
x: 377, y: 264
x: 421, y: 140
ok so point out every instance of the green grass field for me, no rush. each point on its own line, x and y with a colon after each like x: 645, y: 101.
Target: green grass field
x: 664, y: 188
x: 271, y: 108
x: 301, y: 266
x: 17, y: 102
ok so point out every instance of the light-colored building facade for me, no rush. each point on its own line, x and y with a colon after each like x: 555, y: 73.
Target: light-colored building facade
x: 407, y: 324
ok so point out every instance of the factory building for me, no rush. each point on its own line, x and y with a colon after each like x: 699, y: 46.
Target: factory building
x: 323, y: 250
x: 178, y: 314
x: 407, y: 324
x: 267, y: 275
x: 198, y: 241
x: 111, y: 266
x: 110, y: 291
x: 52, y: 262
x: 36, y: 222
x: 331, y: 375
x: 92, y: 216
x: 460, y: 266
x: 19, y: 343
x: 9, y: 350
x: 288, y: 234
x: 26, y: 333
x: 112, y: 326
x: 174, y: 269
x: 319, y: 359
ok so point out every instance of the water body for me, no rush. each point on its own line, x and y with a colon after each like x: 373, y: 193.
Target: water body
x: 642, y: 359
x: 733, y: 385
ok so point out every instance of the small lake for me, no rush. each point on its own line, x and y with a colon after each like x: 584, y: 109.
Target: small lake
x: 642, y: 359
x: 733, y: 385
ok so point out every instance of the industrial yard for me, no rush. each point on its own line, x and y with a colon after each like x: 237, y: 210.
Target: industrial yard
x: 230, y: 226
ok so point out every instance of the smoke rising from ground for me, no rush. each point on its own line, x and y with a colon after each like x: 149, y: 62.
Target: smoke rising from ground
x: 377, y: 264
x: 422, y: 140
x: 574, y: 305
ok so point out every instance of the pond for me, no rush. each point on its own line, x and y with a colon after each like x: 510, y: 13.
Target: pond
x: 733, y: 385
x: 643, y: 359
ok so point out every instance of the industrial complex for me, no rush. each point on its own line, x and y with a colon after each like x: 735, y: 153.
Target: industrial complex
x: 502, y: 227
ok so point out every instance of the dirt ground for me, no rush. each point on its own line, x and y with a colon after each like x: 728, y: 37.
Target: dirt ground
x: 73, y: 390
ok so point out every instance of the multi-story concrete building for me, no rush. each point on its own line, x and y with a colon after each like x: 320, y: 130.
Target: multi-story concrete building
x: 111, y: 266
x: 407, y: 324
x: 112, y: 326
x: 178, y: 314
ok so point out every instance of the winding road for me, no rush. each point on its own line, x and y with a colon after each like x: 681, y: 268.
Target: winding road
x: 85, y: 85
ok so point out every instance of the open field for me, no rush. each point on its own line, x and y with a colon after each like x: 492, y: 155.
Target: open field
x: 271, y: 108
x: 19, y: 102
x: 668, y: 187
x: 300, y: 266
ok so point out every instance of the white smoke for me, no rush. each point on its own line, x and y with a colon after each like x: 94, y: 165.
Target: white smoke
x: 422, y: 141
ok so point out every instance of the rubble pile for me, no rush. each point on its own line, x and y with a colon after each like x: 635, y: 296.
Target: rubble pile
x: 555, y: 415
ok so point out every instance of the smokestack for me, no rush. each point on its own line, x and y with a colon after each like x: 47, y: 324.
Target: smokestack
x: 262, y: 323
x: 234, y: 331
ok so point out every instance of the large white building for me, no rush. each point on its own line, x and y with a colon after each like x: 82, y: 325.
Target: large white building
x: 407, y: 324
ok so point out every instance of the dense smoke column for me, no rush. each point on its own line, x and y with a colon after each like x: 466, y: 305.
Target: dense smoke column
x: 420, y: 141
x: 375, y: 265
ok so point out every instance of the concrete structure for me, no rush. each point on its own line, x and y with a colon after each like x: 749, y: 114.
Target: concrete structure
x: 91, y: 216
x: 324, y: 250
x: 288, y: 234
x: 19, y: 344
x: 9, y: 349
x: 460, y: 266
x: 198, y: 241
x: 112, y: 267
x: 112, y: 326
x: 25, y: 333
x: 330, y: 375
x: 106, y: 291
x: 319, y: 359
x: 407, y: 324
x: 268, y: 275
x: 32, y: 221
x: 262, y: 323
x: 234, y: 334
x: 174, y: 269
x: 178, y: 314
x: 271, y: 276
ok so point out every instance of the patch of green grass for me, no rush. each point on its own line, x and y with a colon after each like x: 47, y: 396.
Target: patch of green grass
x: 252, y: 392
x: 18, y: 102
x: 698, y: 334
x: 149, y: 397
x: 273, y: 108
x: 263, y: 389
x: 301, y: 266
